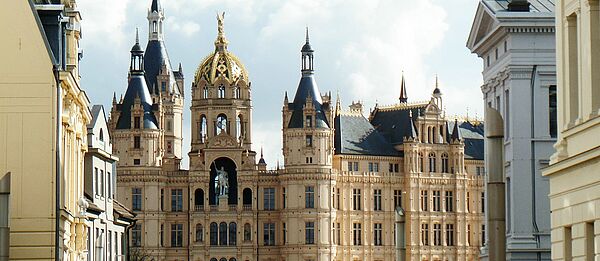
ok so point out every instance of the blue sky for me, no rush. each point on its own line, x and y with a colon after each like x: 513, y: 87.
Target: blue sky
x: 361, y: 49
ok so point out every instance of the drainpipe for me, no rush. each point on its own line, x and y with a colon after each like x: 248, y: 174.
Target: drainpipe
x: 400, y: 234
x: 536, y: 229
x: 57, y: 241
x: 496, y: 207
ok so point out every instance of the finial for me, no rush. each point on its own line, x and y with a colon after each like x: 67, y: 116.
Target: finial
x: 261, y: 152
x: 180, y: 70
x: 137, y: 36
x: 221, y: 42
x: 436, y: 81
x: 307, y: 39
x: 403, y: 96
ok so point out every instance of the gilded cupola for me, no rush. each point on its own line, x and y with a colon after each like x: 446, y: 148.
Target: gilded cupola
x: 221, y: 63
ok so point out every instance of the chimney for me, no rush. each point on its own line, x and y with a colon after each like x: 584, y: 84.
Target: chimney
x: 519, y: 6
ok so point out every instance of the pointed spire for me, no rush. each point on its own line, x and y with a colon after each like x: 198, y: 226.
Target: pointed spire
x: 285, y: 99
x: 403, y: 94
x: 410, y: 133
x: 338, y: 104
x: 262, y: 159
x: 456, y: 135
x: 437, y: 91
x: 307, y: 38
x: 180, y: 69
x: 156, y: 6
x: 137, y: 36
x: 114, y: 100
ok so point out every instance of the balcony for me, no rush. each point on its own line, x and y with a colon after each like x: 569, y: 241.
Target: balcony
x: 247, y: 207
x: 199, y: 207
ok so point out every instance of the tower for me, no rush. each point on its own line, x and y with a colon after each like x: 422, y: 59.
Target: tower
x: 308, y: 120
x: 308, y: 178
x: 134, y: 125
x: 166, y: 85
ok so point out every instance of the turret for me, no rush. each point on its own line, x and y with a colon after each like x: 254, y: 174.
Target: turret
x: 306, y: 121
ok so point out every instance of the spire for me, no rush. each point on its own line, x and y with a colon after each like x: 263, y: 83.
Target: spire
x: 285, y: 99
x: 221, y: 42
x: 307, y: 57
x: 410, y: 133
x: 338, y: 104
x: 137, y: 35
x: 262, y: 159
x: 180, y: 69
x: 137, y: 56
x: 307, y: 38
x: 456, y: 136
x: 156, y: 6
x: 436, y: 91
x: 403, y: 95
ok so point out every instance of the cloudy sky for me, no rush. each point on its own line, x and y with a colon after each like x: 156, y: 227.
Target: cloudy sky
x: 361, y: 49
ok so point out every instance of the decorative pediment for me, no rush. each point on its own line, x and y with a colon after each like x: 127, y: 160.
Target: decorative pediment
x: 483, y: 25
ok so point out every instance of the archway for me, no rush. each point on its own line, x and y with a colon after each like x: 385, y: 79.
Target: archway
x: 229, y: 166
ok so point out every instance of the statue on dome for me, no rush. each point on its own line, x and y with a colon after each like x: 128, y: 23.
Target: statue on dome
x: 220, y: 21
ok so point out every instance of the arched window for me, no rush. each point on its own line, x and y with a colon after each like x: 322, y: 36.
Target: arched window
x: 199, y: 199
x: 214, y: 234
x: 213, y: 259
x: 223, y: 259
x: 247, y: 197
x: 420, y: 162
x: 101, y: 135
x: 232, y: 259
x: 238, y: 126
x: 205, y: 93
x: 232, y: 234
x: 221, y: 92
x: 432, y: 162
x: 203, y: 129
x: 221, y: 124
x: 247, y: 232
x: 222, y: 234
x: 199, y: 233
x: 154, y: 27
x: 444, y: 163
x: 236, y: 92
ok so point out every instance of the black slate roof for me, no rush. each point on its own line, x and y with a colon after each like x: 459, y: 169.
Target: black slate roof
x: 155, y: 56
x: 473, y: 137
x: 392, y: 123
x: 356, y: 136
x: 136, y: 88
x: 307, y: 87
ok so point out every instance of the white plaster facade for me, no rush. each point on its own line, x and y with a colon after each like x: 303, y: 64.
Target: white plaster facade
x: 518, y: 53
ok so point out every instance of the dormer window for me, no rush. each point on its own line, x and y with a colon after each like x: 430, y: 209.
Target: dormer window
x: 309, y: 121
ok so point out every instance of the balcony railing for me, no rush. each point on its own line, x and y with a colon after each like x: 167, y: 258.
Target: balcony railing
x: 247, y: 207
x: 199, y: 207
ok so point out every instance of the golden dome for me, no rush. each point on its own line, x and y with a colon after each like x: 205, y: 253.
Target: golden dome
x: 221, y: 63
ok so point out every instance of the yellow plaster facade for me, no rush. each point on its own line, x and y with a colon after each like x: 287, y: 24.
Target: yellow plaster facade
x: 573, y: 170
x: 28, y: 133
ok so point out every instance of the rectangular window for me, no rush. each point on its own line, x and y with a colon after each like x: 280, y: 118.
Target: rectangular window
x: 102, y: 183
x: 136, y: 199
x: 373, y: 167
x: 568, y: 244
x: 309, y: 229
x: 356, y: 199
x: 553, y: 124
x: 284, y: 233
x: 482, y: 202
x: 449, y: 201
x: 136, y: 235
x: 397, y: 198
x: 377, y: 234
x: 97, y: 181
x: 309, y: 140
x: 163, y: 86
x: 162, y: 234
x: 109, y: 184
x: 136, y: 162
x: 437, y: 200
x: 309, y: 121
x: 269, y: 199
x: 449, y: 234
x: 468, y: 206
x: 468, y: 235
x: 337, y: 195
x: 589, y: 241
x: 339, y: 233
x: 136, y: 142
x: 176, y: 200
x: 136, y: 122
x: 377, y: 200
x: 357, y: 234
x: 507, y: 113
x: 496, y: 53
x: 269, y: 234
x: 482, y: 235
x: 424, y: 200
x: 162, y: 199
x: 355, y: 166
x: 424, y: 234
x: 437, y: 234
x: 309, y: 197
x: 283, y: 198
x: 176, y: 235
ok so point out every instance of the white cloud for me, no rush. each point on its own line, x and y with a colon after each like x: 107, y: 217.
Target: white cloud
x: 267, y: 135
x: 186, y: 27
x: 103, y: 21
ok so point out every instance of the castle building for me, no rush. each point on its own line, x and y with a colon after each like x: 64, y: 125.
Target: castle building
x: 343, y: 178
x: 516, y: 41
x: 43, y: 117
x: 573, y: 171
